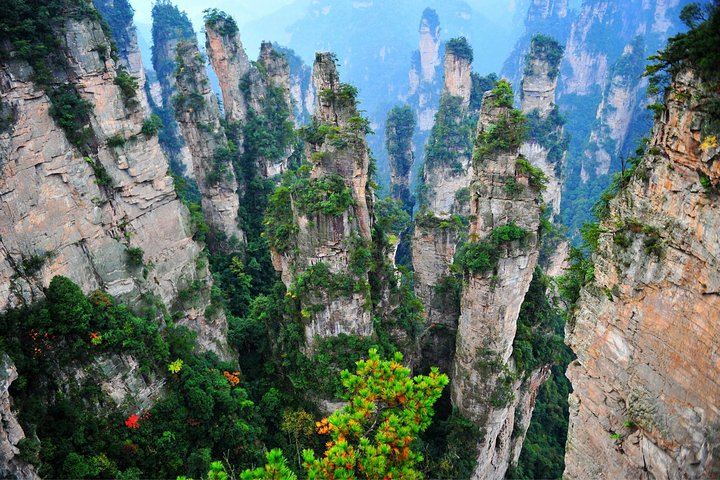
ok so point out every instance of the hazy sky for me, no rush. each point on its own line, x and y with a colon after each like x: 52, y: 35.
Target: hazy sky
x: 247, y: 12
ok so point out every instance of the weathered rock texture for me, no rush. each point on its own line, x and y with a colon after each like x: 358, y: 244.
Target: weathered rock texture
x: 326, y: 238
x: 230, y: 63
x: 245, y: 87
x: 302, y: 89
x: 198, y: 115
x: 484, y: 388
x: 438, y: 226
x: 426, y: 71
x: 52, y: 208
x: 621, y: 99
x: 646, y: 392
x: 119, y: 15
x: 11, y: 466
x: 547, y: 17
x: 538, y: 95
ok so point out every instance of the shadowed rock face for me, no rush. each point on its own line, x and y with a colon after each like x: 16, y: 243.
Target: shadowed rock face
x: 646, y: 392
x: 81, y: 211
x: 198, y: 115
x: 125, y: 35
x: 330, y: 238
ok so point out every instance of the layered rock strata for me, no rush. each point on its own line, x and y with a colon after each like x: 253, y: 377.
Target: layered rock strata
x: 646, y: 392
x: 77, y: 210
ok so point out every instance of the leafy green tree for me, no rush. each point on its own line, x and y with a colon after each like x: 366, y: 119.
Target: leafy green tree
x: 372, y: 436
x: 275, y: 469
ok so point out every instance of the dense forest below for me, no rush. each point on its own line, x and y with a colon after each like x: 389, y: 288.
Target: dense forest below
x: 296, y: 343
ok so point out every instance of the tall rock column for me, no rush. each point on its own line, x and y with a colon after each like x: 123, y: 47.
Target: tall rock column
x: 498, y: 262
x: 255, y: 96
x: 319, y: 221
x: 170, y: 26
x: 547, y: 143
x: 229, y: 61
x: 198, y: 115
x: 646, y: 332
x: 444, y: 207
x: 425, y: 75
x: 398, y: 141
x: 119, y: 15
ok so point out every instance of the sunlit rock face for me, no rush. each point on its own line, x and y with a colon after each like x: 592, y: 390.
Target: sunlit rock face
x: 646, y: 396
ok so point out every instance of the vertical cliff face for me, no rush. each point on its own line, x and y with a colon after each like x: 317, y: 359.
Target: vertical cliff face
x: 302, y: 90
x: 545, y: 17
x: 11, y: 465
x: 619, y: 103
x: 252, y: 94
x: 78, y: 199
x: 498, y: 263
x: 399, y: 130
x: 429, y: 45
x: 425, y: 72
x: 230, y: 63
x: 646, y: 396
x: 327, y: 207
x: 444, y: 205
x: 457, y: 81
x: 119, y: 15
x: 170, y: 26
x: 198, y: 115
x: 546, y: 145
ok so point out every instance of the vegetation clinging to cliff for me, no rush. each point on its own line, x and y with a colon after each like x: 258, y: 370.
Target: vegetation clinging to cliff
x: 214, y: 18
x: 699, y: 48
x: 545, y: 49
x: 460, y: 48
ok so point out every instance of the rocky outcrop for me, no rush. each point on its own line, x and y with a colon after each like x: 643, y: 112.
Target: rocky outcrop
x: 646, y: 396
x: 230, y: 63
x: 249, y: 91
x: 399, y: 130
x: 75, y: 211
x: 620, y: 101
x: 198, y: 114
x: 444, y: 204
x: 542, y: 66
x: 425, y: 73
x: 302, y: 90
x: 170, y: 26
x: 429, y: 45
x: 544, y: 17
x: 119, y: 15
x: 484, y: 388
x: 325, y: 236
x: 457, y: 67
x: 11, y: 463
